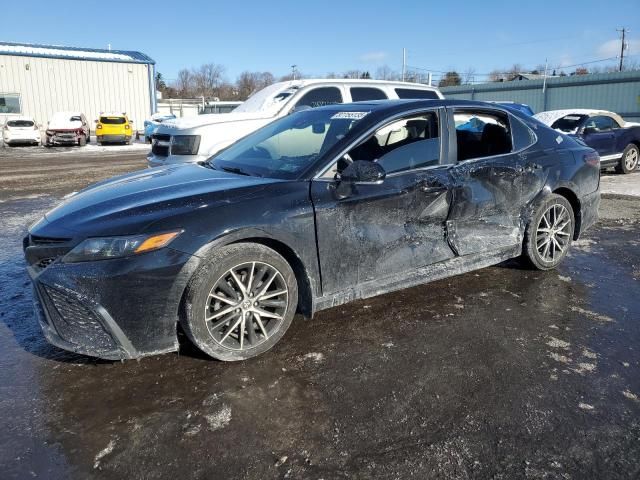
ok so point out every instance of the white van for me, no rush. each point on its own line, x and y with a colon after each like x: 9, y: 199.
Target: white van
x: 195, y: 139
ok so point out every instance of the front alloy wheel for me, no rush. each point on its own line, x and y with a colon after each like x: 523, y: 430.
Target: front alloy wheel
x: 241, y: 302
x: 246, y: 305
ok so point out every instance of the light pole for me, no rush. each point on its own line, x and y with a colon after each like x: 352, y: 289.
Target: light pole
x: 293, y: 71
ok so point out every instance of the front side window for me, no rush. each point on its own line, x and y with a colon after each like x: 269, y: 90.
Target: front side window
x: 362, y: 94
x: 285, y: 148
x: 405, y: 144
x: 482, y: 134
x: 417, y: 94
x: 600, y: 123
x: 319, y: 97
x: 9, y: 103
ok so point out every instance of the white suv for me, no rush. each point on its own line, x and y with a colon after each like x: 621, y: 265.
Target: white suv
x: 195, y: 139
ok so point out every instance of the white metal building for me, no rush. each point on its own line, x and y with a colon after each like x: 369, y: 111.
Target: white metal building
x: 38, y: 80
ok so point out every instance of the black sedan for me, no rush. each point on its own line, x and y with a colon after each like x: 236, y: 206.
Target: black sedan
x: 319, y: 208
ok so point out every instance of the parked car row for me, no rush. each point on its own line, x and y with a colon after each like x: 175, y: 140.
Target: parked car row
x: 69, y: 128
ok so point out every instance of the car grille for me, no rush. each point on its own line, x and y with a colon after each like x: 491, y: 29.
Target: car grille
x: 36, y: 240
x: 75, y: 322
x: 161, y: 144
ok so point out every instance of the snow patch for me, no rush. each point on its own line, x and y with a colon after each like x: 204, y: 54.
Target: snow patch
x: 585, y: 406
x: 592, y: 315
x: 557, y: 343
x: 630, y: 395
x: 220, y: 419
x: 103, y: 453
x: 316, y: 357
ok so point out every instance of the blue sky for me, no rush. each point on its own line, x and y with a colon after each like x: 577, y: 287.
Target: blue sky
x: 334, y: 36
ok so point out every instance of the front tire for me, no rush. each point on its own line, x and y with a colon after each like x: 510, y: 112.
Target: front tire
x: 629, y: 161
x: 241, y: 302
x: 549, y: 233
x: 82, y: 141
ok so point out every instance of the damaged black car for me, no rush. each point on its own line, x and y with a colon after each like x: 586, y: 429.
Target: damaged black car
x: 314, y: 210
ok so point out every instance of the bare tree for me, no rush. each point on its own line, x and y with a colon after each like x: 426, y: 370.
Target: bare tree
x: 469, y: 76
x: 496, y: 76
x: 385, y: 72
x: 184, y: 84
x: 450, y: 79
x: 208, y: 79
x: 250, y: 82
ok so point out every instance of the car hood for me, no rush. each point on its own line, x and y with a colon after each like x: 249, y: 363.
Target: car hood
x: 129, y: 203
x: 214, y: 119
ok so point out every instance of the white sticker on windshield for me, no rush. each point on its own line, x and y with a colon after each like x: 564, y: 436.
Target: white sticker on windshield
x: 559, y: 139
x: 350, y: 115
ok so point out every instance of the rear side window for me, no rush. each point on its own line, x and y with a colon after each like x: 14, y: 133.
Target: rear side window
x: 361, y: 94
x: 113, y: 120
x: 523, y: 136
x: 568, y: 123
x: 482, y: 134
x: 414, y: 93
x: 319, y: 97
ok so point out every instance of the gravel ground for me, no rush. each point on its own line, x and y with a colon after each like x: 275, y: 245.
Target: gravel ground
x: 501, y: 373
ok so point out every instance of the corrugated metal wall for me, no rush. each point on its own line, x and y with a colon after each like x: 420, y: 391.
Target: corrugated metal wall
x: 618, y: 92
x: 49, y: 85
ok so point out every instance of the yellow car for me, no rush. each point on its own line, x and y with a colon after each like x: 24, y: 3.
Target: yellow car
x: 114, y: 128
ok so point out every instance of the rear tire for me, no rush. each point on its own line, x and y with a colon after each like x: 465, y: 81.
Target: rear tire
x: 241, y: 302
x: 629, y: 160
x: 549, y: 233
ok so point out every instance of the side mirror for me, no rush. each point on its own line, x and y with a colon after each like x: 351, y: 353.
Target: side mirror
x: 95, y: 121
x: 300, y: 108
x: 589, y: 130
x: 318, y: 128
x: 363, y: 171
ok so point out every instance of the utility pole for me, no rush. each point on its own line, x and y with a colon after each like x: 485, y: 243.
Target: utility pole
x: 622, y: 46
x: 404, y: 63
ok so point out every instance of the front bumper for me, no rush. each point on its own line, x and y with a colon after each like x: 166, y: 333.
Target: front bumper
x: 113, y: 138
x: 63, y: 139
x: 112, y: 309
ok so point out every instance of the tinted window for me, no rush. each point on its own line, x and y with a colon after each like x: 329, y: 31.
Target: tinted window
x: 319, y: 97
x: 522, y: 135
x: 361, y: 94
x: 20, y: 123
x: 113, y: 120
x: 481, y: 134
x: 9, y: 103
x: 413, y: 93
x: 403, y: 145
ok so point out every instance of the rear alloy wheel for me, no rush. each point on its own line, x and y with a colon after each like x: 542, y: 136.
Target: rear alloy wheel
x: 629, y: 160
x: 549, y: 233
x: 241, y: 302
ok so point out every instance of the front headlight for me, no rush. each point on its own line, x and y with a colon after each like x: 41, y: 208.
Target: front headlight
x: 185, y: 144
x: 102, y: 248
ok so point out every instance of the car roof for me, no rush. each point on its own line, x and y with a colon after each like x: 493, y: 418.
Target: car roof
x: 362, y: 81
x: 390, y: 106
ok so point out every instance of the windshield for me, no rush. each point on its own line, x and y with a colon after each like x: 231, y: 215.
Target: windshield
x: 569, y: 123
x: 285, y: 148
x: 20, y: 123
x: 271, y: 98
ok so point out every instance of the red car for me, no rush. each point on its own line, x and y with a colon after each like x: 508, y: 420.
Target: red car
x: 67, y: 128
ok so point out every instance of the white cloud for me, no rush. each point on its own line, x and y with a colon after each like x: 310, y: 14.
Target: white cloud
x: 611, y: 48
x: 373, y: 57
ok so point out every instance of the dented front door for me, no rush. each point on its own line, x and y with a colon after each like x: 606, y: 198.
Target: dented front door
x: 381, y: 230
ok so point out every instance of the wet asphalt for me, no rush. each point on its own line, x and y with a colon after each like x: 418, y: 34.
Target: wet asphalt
x: 501, y: 373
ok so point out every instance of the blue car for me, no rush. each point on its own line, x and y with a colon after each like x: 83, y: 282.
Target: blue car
x: 153, y: 123
x: 521, y: 107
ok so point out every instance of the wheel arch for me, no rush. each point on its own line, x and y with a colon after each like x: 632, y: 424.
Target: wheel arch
x: 303, y: 272
x: 574, y: 201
